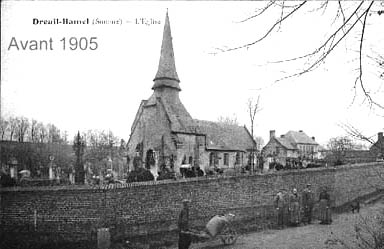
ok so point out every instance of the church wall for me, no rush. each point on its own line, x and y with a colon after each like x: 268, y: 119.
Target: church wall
x: 231, y: 160
x: 136, y: 138
x: 152, y: 125
x: 186, y: 148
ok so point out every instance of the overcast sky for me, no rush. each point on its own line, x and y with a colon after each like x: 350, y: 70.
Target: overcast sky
x: 102, y: 89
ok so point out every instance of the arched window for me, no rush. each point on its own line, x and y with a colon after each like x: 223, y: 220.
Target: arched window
x: 149, y: 159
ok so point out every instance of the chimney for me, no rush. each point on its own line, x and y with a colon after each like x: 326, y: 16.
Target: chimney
x: 272, y: 134
x: 379, y: 136
x: 313, y: 138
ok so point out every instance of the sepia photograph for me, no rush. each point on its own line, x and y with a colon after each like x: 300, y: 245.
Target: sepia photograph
x: 192, y: 125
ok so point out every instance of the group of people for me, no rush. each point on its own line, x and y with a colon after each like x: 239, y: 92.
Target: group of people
x: 291, y: 210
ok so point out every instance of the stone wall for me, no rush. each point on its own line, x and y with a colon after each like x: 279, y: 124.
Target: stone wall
x: 75, y: 213
x: 352, y: 182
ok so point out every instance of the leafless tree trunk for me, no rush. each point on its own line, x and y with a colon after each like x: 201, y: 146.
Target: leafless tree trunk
x: 33, y: 131
x: 253, y: 108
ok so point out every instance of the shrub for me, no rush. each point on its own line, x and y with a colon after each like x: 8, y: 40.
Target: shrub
x: 165, y: 175
x: 7, y: 181
x: 140, y: 175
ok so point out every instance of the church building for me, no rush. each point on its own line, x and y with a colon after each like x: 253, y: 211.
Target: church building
x: 164, y: 134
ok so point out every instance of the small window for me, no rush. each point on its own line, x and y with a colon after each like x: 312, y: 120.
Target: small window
x: 226, y: 159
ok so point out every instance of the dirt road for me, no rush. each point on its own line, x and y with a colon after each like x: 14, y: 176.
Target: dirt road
x: 312, y: 236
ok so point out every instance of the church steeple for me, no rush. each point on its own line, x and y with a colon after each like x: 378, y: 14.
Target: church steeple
x: 166, y: 75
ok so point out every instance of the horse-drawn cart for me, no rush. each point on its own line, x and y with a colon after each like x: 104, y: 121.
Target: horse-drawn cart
x: 219, y: 226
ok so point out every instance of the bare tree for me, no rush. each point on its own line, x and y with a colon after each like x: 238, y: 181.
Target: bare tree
x: 33, y: 131
x: 12, y: 127
x: 349, y: 19
x: 339, y: 146
x: 100, y: 146
x: 22, y: 125
x: 64, y: 137
x: 253, y: 108
x: 3, y: 128
x: 42, y: 132
x: 53, y: 134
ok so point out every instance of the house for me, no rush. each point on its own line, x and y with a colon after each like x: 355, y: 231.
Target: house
x: 378, y: 147
x: 164, y: 134
x: 292, y: 145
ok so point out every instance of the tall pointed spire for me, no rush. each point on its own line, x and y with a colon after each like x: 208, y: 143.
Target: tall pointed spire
x: 166, y: 74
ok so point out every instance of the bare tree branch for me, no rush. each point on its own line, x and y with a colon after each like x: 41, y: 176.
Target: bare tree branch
x: 359, y: 78
x: 314, y: 59
x: 354, y: 132
x: 271, y: 3
x: 323, y: 56
x: 324, y: 44
x: 269, y: 31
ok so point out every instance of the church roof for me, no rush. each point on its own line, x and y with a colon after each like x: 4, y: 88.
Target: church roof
x: 166, y: 74
x: 225, y: 137
x: 180, y: 119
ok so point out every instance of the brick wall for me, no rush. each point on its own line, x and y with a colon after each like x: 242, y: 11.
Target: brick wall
x: 74, y: 213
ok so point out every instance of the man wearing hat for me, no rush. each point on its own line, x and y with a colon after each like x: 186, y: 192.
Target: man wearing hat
x: 308, y: 202
x: 184, y: 237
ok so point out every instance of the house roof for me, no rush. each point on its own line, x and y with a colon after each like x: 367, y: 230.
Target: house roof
x: 285, y: 143
x: 379, y: 145
x: 224, y: 136
x: 299, y: 137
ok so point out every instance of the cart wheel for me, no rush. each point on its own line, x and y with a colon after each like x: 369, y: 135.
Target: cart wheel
x: 229, y: 236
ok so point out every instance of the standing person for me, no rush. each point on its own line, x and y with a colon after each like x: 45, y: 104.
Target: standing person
x: 286, y: 207
x: 325, y: 207
x: 294, y: 208
x: 279, y: 204
x: 184, y: 237
x: 308, y: 202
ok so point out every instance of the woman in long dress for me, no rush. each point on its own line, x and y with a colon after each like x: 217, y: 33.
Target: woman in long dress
x: 294, y: 208
x: 325, y: 208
